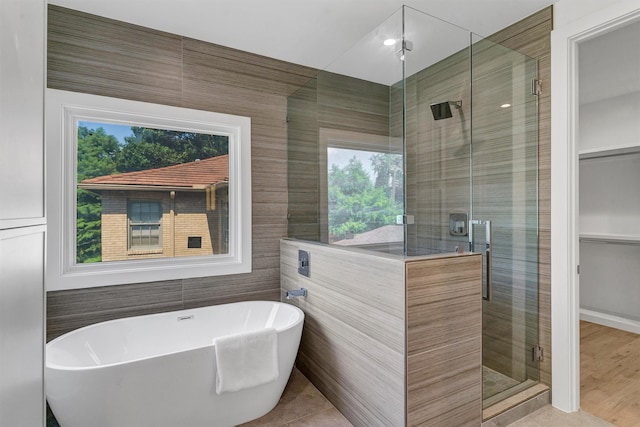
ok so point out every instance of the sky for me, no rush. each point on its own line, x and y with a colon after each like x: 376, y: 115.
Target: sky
x: 341, y: 157
x: 119, y: 131
x: 337, y: 156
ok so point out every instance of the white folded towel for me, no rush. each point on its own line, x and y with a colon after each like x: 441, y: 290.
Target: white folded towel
x: 245, y: 360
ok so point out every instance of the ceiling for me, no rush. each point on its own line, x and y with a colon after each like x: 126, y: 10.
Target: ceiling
x: 314, y: 33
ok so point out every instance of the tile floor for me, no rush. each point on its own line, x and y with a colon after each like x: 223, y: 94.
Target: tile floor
x: 549, y: 416
x: 302, y: 405
x: 494, y: 382
x: 318, y: 411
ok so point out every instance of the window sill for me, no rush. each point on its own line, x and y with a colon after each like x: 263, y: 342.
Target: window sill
x: 144, y: 251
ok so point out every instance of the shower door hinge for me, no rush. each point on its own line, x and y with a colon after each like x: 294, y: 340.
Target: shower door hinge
x: 536, y: 87
x: 537, y: 353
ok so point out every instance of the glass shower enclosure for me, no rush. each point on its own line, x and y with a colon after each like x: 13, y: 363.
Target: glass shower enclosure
x: 422, y: 139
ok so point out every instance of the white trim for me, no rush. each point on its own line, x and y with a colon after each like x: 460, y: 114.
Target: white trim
x: 63, y: 111
x: 21, y: 222
x: 564, y: 195
x: 610, y: 320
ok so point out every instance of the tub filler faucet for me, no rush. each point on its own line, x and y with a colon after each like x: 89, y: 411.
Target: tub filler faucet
x: 302, y: 292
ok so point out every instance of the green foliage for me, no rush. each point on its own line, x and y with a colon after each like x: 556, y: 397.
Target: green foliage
x: 89, y: 248
x: 100, y: 154
x: 389, y: 174
x: 97, y: 152
x: 356, y: 204
x: 156, y: 148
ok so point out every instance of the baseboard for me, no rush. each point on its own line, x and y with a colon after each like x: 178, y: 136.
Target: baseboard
x: 610, y: 320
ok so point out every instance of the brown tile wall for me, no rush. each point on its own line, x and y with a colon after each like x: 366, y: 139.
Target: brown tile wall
x: 91, y: 54
x: 532, y: 37
x: 353, y: 344
x: 437, y: 182
x: 518, y: 316
x: 437, y: 175
x: 415, y: 323
x: 338, y: 103
x: 444, y: 341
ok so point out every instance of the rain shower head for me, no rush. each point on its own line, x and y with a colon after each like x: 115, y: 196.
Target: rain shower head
x: 442, y: 110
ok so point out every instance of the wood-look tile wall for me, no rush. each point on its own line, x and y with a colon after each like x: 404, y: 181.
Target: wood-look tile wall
x: 437, y: 180
x: 303, y: 172
x: 505, y: 192
x: 330, y: 101
x: 444, y: 341
x: 437, y: 175
x: 353, y: 342
x: 532, y: 37
x: 91, y: 54
x: 384, y: 335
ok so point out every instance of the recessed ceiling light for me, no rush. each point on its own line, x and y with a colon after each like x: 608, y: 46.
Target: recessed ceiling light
x: 505, y: 106
x: 389, y: 42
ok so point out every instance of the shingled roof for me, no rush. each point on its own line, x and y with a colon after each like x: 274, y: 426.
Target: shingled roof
x: 197, y: 175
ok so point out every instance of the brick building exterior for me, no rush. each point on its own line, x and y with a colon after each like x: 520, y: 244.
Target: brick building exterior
x: 179, y: 210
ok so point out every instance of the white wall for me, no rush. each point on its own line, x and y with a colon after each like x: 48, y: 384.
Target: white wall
x: 22, y: 216
x: 575, y: 21
x: 21, y: 99
x: 611, y: 122
x: 609, y: 196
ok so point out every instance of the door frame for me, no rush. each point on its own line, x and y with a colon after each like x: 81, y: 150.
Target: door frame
x: 565, y: 302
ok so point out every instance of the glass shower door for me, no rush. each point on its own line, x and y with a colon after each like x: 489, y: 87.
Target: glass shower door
x: 504, y: 213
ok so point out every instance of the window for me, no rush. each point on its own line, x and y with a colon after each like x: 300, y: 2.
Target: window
x: 362, y: 192
x: 365, y: 190
x: 132, y: 184
x: 144, y: 225
x: 186, y: 171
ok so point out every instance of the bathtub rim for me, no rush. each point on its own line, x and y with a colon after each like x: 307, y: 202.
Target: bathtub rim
x: 56, y: 367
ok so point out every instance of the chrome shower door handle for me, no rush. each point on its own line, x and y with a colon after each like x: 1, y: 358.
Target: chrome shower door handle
x: 488, y: 249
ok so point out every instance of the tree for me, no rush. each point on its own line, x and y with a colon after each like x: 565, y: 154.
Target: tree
x: 388, y: 169
x: 96, y: 157
x: 356, y: 205
x: 97, y: 152
x: 156, y: 148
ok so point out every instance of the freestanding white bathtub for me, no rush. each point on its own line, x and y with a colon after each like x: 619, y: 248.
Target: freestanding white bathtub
x: 159, y: 370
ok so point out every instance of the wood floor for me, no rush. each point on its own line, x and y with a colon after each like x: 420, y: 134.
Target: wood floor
x: 610, y: 374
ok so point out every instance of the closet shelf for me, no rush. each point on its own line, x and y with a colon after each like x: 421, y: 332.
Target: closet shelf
x: 609, y: 151
x: 627, y: 239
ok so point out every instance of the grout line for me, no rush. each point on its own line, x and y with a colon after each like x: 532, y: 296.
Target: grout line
x: 308, y: 416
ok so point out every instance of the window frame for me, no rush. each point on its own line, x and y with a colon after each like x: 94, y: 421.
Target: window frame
x: 63, y: 112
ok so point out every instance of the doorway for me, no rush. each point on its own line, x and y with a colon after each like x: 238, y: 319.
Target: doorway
x: 584, y: 235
